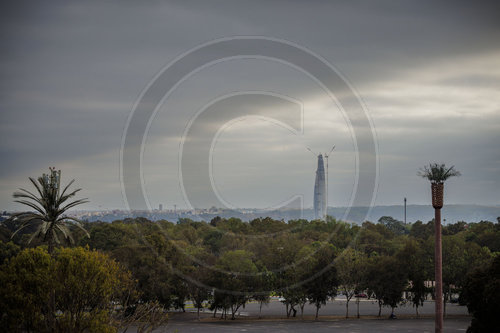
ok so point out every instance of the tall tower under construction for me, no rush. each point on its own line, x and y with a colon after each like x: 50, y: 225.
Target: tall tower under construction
x: 320, y: 191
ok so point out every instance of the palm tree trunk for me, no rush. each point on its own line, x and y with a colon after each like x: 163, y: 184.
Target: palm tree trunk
x: 438, y: 273
x: 50, y: 242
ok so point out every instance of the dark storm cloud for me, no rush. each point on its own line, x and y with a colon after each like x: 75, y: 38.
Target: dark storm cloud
x: 71, y: 72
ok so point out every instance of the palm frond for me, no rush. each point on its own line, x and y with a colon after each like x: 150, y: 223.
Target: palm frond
x: 72, y: 204
x: 33, y: 181
x: 25, y: 224
x: 24, y: 217
x: 66, y: 187
x: 54, y: 236
x: 30, y: 204
x: 76, y: 222
x: 438, y: 173
x: 72, y: 220
x: 62, y: 199
x: 65, y: 231
x: 19, y: 216
x: 22, y: 195
x: 39, y: 232
x: 27, y: 194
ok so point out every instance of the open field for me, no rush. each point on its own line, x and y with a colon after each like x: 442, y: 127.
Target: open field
x: 332, y: 318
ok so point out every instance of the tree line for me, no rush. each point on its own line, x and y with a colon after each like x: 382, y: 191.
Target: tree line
x: 225, y: 263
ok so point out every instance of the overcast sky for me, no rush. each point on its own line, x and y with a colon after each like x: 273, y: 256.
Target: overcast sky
x: 428, y: 73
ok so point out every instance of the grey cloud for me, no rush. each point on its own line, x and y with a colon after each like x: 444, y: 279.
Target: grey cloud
x: 70, y: 73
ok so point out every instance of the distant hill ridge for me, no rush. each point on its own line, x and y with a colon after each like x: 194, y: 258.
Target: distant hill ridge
x: 424, y: 213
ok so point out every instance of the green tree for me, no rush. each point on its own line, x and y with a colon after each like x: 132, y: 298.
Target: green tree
x: 199, y: 275
x: 8, y: 250
x: 325, y: 284
x: 394, y: 282
x: 393, y: 225
x: 302, y: 270
x: 25, y: 290
x: 373, y: 280
x: 81, y: 285
x: 351, y: 266
x: 480, y: 294
x: 485, y: 233
x: 153, y: 273
x: 418, y: 269
x: 88, y: 282
x: 459, y: 258
x: 234, y: 280
x: 263, y: 286
x: 422, y: 231
x: 50, y: 206
x: 386, y: 279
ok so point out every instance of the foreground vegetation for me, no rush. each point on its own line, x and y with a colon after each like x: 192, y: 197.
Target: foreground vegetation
x: 226, y: 262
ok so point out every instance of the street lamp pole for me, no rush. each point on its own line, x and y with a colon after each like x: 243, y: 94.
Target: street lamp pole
x: 405, y: 211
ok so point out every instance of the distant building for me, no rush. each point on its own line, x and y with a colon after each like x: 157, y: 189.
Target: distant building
x: 160, y: 208
x: 320, y: 191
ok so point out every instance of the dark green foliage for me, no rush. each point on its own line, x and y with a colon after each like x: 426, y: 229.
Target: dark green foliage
x: 422, y: 231
x: 393, y: 281
x: 485, y: 233
x: 8, y: 250
x: 418, y: 267
x: 480, y: 294
x: 393, y: 225
x: 453, y: 229
x: 386, y: 278
x: 324, y: 281
x: 70, y: 291
x: 173, y: 263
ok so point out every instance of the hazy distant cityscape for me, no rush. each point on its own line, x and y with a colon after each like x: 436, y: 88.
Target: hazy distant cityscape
x: 424, y: 213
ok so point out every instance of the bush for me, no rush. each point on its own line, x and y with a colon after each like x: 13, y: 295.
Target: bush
x: 73, y: 291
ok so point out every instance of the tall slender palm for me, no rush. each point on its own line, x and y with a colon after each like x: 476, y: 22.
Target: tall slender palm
x: 437, y: 174
x: 49, y: 206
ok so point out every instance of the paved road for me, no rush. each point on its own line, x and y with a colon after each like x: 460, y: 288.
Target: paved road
x: 341, y: 326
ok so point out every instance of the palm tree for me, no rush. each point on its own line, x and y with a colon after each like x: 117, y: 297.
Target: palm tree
x: 437, y: 174
x: 49, y: 207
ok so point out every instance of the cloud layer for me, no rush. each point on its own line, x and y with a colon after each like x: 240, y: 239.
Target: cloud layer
x: 428, y: 73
